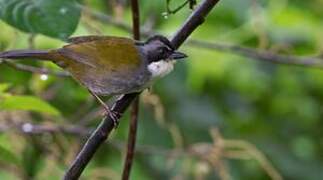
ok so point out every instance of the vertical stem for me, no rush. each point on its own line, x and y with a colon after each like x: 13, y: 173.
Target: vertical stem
x: 135, y: 19
x: 135, y: 105
x: 131, y: 140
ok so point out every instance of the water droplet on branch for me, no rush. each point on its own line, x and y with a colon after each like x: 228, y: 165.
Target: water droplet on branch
x: 44, y: 77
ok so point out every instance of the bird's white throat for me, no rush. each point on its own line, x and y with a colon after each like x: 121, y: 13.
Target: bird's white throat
x: 161, y: 68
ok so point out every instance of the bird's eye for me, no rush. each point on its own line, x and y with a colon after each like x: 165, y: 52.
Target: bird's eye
x: 163, y: 50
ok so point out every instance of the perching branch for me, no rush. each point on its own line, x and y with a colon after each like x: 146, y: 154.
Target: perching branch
x: 97, y: 138
x: 103, y: 130
x: 132, y: 134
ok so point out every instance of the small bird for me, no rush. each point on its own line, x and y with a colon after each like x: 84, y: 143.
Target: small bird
x: 108, y: 65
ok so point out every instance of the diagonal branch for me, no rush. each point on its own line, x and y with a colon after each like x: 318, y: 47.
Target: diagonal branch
x: 196, y: 19
x: 97, y: 138
x: 103, y: 130
x: 266, y: 56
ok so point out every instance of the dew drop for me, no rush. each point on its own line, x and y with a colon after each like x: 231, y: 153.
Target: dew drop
x: 63, y: 10
x: 27, y: 127
x: 165, y: 15
x: 44, y: 77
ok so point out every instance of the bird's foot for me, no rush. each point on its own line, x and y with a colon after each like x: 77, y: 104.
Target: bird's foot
x: 115, y: 116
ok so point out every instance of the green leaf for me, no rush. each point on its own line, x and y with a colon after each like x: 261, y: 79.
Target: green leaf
x: 54, y: 18
x: 4, y: 87
x: 29, y: 103
x: 8, y: 157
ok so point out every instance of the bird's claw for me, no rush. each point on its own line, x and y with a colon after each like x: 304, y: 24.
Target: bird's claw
x: 114, y: 117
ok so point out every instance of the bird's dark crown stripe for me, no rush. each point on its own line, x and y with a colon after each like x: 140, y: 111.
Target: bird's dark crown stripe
x: 163, y: 39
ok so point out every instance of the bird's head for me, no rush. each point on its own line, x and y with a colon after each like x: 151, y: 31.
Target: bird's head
x: 161, y: 55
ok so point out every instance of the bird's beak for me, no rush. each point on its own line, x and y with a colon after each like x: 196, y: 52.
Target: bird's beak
x: 177, y: 55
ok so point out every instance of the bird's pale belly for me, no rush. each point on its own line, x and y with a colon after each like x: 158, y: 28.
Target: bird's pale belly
x: 115, y: 84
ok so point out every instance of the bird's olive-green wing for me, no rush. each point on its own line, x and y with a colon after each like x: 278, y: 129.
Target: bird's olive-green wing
x: 102, y: 64
x: 89, y: 38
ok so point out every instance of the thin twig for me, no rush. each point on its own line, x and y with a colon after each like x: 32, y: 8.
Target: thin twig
x: 37, y: 129
x: 105, y: 18
x: 81, y: 131
x: 261, y: 55
x: 103, y: 130
x: 266, y: 56
x: 196, y: 19
x: 31, y: 41
x: 231, y: 148
x: 132, y: 134
x: 110, y: 20
x: 32, y: 69
x: 169, y: 11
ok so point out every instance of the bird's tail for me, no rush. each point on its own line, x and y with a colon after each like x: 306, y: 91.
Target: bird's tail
x: 22, y: 54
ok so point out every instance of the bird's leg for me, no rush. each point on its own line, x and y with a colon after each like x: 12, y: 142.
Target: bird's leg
x: 113, y: 115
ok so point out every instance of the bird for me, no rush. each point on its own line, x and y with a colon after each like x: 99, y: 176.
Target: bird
x: 109, y: 65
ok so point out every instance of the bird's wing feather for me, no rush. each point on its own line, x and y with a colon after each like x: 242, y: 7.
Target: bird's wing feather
x: 82, y: 39
x: 114, y: 52
x: 80, y: 58
x: 89, y: 38
x: 109, y: 65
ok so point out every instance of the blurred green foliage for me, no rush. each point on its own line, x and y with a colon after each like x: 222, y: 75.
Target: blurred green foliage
x: 30, y: 103
x: 55, y: 18
x: 276, y: 107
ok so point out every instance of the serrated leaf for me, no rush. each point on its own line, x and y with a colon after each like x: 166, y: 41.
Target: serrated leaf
x: 29, y: 103
x: 54, y: 18
x: 6, y: 156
